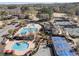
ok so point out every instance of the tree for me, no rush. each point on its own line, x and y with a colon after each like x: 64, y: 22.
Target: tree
x: 22, y: 23
x: 3, y: 13
x: 12, y: 7
x: 77, y: 12
x: 11, y: 31
x: 24, y: 8
x: 48, y: 11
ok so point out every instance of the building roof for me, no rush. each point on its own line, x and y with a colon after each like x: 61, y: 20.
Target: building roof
x: 73, y: 31
x: 63, y: 23
x: 1, y: 23
x: 59, y: 14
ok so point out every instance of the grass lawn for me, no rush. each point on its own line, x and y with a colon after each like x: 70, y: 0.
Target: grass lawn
x: 1, y: 54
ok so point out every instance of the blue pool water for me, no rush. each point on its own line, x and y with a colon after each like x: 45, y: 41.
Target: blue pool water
x: 20, y: 46
x: 27, y: 30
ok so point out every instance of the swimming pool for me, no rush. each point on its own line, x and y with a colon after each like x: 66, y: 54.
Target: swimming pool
x: 20, y: 46
x: 27, y: 30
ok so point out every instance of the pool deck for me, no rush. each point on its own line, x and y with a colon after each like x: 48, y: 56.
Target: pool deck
x: 10, y: 44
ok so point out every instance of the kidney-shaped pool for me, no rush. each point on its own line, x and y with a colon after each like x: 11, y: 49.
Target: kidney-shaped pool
x: 20, y: 46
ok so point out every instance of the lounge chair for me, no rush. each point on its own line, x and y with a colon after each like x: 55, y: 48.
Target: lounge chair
x: 8, y: 51
x: 28, y: 53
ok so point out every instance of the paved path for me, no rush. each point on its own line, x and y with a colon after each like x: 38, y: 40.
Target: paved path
x: 43, y: 51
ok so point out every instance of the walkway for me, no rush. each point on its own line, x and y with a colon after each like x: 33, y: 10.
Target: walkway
x: 43, y: 51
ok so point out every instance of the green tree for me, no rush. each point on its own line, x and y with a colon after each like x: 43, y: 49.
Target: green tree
x: 11, y: 31
x: 12, y: 7
x: 22, y: 23
x: 47, y: 11
x: 3, y: 13
x: 24, y: 8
